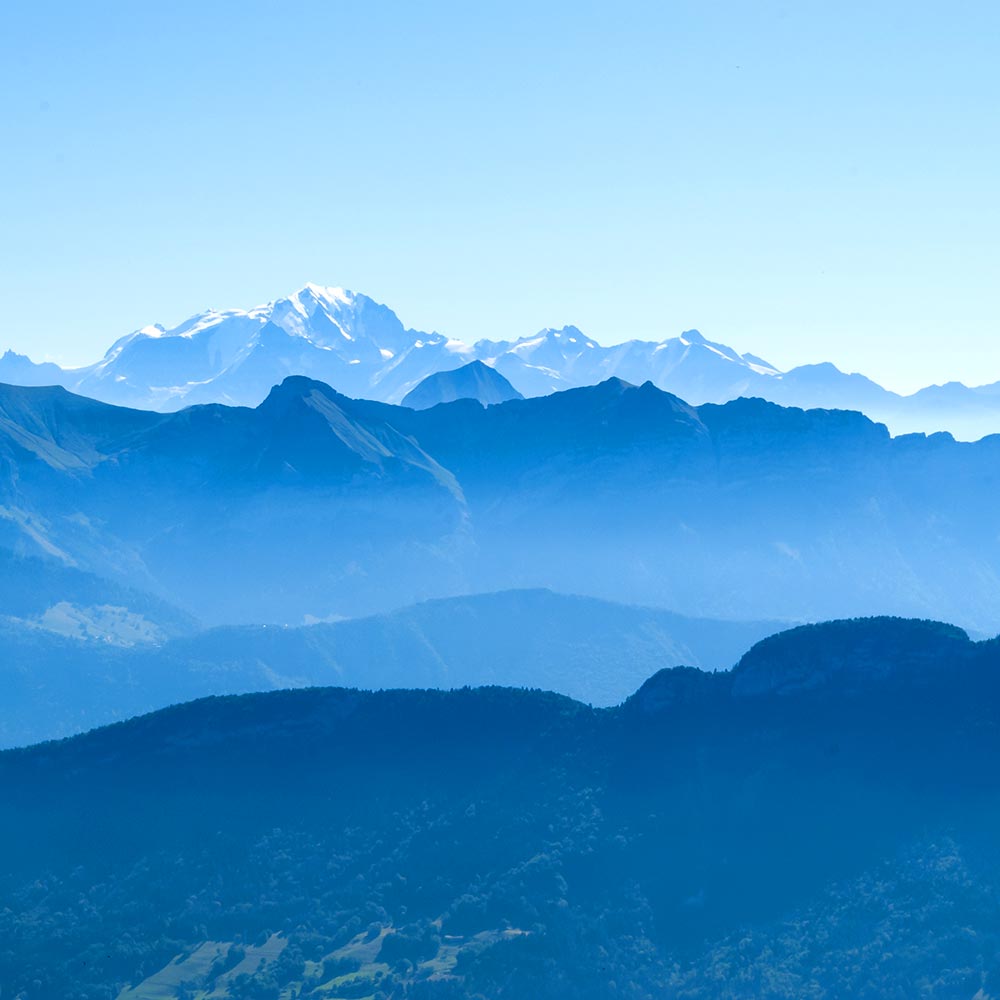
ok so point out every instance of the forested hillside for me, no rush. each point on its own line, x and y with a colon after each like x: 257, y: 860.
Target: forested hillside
x: 821, y: 821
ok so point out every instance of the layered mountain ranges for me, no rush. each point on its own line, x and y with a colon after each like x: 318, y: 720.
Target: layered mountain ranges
x: 315, y: 505
x: 821, y: 821
x: 363, y: 350
x: 61, y: 676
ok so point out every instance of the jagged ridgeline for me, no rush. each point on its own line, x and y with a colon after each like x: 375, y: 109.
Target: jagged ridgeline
x: 821, y: 821
x: 361, y: 348
x: 316, y: 505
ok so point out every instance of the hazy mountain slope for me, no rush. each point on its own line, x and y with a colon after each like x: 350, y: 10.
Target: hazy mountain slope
x: 717, y: 510
x: 21, y: 370
x: 317, y: 505
x: 361, y: 348
x: 243, y: 513
x: 472, y: 381
x: 592, y: 650
x: 41, y: 593
x: 775, y: 832
x: 63, y: 430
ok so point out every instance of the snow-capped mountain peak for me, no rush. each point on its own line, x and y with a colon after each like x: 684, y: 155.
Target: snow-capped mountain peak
x: 362, y: 349
x: 313, y: 310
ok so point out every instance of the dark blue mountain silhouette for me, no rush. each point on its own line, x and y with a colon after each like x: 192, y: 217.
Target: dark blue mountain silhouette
x: 823, y: 819
x: 472, y: 381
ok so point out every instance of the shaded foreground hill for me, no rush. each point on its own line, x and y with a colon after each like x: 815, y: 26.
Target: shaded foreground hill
x: 592, y: 650
x: 822, y: 821
x: 317, y: 505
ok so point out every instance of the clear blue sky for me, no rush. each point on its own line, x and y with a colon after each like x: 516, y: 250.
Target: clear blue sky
x: 805, y: 181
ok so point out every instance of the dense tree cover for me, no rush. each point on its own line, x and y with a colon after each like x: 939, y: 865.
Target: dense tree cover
x: 820, y: 822
x: 595, y: 651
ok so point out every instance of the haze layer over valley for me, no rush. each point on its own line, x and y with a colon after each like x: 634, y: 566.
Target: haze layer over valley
x: 314, y: 504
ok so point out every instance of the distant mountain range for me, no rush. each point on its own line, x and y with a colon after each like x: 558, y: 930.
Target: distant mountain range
x: 317, y: 505
x: 362, y: 349
x: 58, y: 681
x: 822, y: 821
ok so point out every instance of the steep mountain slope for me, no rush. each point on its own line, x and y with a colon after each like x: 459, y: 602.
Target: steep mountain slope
x: 775, y: 832
x: 248, y: 514
x: 720, y: 509
x: 595, y: 651
x: 472, y: 381
x: 317, y: 505
x: 362, y: 349
x: 236, y: 356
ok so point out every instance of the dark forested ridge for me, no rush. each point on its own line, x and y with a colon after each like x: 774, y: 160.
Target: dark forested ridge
x: 317, y: 505
x: 821, y: 821
x: 595, y: 651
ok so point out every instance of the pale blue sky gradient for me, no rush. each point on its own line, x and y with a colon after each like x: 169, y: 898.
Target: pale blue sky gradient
x: 805, y: 181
